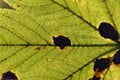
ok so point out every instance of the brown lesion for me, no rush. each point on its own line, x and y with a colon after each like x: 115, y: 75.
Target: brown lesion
x: 37, y: 48
x: 100, y: 72
x: 9, y: 76
x: 101, y: 67
x: 95, y: 77
x: 61, y: 41
x: 116, y: 58
x: 101, y: 64
x: 107, y: 31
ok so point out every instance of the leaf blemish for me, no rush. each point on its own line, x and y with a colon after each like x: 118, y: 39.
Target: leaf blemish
x: 95, y: 78
x: 9, y: 76
x: 37, y: 48
x: 101, y: 64
x: 61, y: 41
x: 106, y: 30
x: 116, y: 58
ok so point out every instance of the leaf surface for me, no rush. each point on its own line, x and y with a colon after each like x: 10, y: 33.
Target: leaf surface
x: 27, y: 46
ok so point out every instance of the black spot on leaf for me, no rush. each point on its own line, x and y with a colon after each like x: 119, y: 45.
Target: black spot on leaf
x: 116, y: 58
x: 106, y: 30
x: 101, y: 64
x: 61, y: 41
x: 9, y: 76
x: 95, y: 78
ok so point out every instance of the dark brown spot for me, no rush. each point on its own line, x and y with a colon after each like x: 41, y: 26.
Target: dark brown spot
x: 101, y: 64
x: 61, y: 41
x: 106, y: 30
x: 9, y: 76
x: 37, y: 48
x: 95, y: 78
x: 116, y: 58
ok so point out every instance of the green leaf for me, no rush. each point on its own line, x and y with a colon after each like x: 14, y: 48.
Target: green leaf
x: 27, y: 47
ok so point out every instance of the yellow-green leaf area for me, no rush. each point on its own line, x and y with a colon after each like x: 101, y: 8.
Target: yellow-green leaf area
x: 27, y: 47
